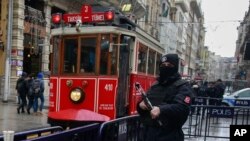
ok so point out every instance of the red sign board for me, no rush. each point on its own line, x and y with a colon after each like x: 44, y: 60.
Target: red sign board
x: 95, y: 17
x: 71, y: 18
x: 87, y: 15
x: 107, y: 97
x: 86, y: 12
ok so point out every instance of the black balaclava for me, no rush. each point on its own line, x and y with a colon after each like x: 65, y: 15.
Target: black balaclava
x: 167, y: 72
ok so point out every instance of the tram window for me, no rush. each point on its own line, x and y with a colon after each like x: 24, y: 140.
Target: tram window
x: 151, y: 61
x: 88, y: 51
x: 142, y: 58
x: 114, y: 56
x: 70, y: 55
x: 104, y: 58
x: 158, y: 60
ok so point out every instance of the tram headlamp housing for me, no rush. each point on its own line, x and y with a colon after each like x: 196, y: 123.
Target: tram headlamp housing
x: 77, y: 95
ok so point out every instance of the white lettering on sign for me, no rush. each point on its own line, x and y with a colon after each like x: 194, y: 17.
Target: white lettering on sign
x: 242, y: 102
x: 97, y: 18
x: 86, y: 9
x: 221, y: 112
x: 51, y: 85
x: 240, y: 132
x: 74, y: 18
x: 106, y: 107
x: 122, y: 128
x: 51, y: 104
x: 108, y: 87
x: 51, y: 94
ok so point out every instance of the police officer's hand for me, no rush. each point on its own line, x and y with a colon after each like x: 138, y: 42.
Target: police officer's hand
x: 155, y: 112
x: 143, y: 106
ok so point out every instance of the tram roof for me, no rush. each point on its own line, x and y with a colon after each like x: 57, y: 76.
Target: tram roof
x: 139, y: 33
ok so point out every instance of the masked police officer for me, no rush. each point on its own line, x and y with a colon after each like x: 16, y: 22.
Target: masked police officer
x: 171, y: 99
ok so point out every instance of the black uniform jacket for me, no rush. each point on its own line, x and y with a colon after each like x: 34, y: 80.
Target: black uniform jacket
x: 174, y: 103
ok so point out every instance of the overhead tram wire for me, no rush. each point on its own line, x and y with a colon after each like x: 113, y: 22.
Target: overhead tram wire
x: 225, y: 21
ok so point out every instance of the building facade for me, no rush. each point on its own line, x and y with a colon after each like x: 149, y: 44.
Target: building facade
x: 178, y: 24
x: 30, y: 46
x: 242, y: 52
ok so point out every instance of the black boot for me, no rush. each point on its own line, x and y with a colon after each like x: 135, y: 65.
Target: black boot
x: 28, y: 110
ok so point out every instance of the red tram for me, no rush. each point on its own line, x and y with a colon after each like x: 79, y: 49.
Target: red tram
x: 96, y: 59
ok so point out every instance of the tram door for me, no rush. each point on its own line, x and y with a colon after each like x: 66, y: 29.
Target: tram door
x: 123, y: 82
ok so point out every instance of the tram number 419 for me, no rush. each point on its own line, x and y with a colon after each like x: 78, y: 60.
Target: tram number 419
x: 108, y: 87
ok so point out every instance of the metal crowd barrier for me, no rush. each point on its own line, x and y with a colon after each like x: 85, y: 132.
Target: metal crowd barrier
x: 83, y: 133
x: 213, y: 121
x: 35, y: 133
x: 205, y: 121
x: 121, y: 129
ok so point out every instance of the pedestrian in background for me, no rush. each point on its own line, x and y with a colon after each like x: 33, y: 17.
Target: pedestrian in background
x: 38, y: 89
x: 17, y: 85
x: 22, y: 91
x: 195, y: 88
x: 202, y: 93
x: 211, y: 92
x: 219, y: 90
x: 30, y: 94
x: 171, y: 99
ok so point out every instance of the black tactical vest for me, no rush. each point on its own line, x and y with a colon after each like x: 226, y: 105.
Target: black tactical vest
x: 164, y: 94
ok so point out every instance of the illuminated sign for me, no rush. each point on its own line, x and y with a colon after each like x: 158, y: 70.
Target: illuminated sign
x: 86, y: 16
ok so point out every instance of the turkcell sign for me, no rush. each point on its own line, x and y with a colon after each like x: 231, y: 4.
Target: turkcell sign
x: 224, y: 112
x: 242, y: 102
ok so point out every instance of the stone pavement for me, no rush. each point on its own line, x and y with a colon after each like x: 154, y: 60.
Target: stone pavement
x: 10, y: 120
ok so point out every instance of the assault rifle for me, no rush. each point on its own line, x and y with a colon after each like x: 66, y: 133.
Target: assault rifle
x: 145, y: 98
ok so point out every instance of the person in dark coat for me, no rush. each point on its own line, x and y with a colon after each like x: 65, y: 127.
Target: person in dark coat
x: 171, y: 99
x: 30, y: 94
x: 219, y: 91
x: 211, y: 93
x: 22, y: 91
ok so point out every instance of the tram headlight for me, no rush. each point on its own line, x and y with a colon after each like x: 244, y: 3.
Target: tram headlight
x: 77, y: 95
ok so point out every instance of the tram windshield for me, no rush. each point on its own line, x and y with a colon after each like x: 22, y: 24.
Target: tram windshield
x: 91, y: 55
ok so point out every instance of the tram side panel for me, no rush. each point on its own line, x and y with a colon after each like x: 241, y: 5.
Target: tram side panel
x: 99, y: 94
x: 135, y: 97
x: 106, y: 97
x: 53, y: 94
x: 60, y: 93
x: 89, y: 90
